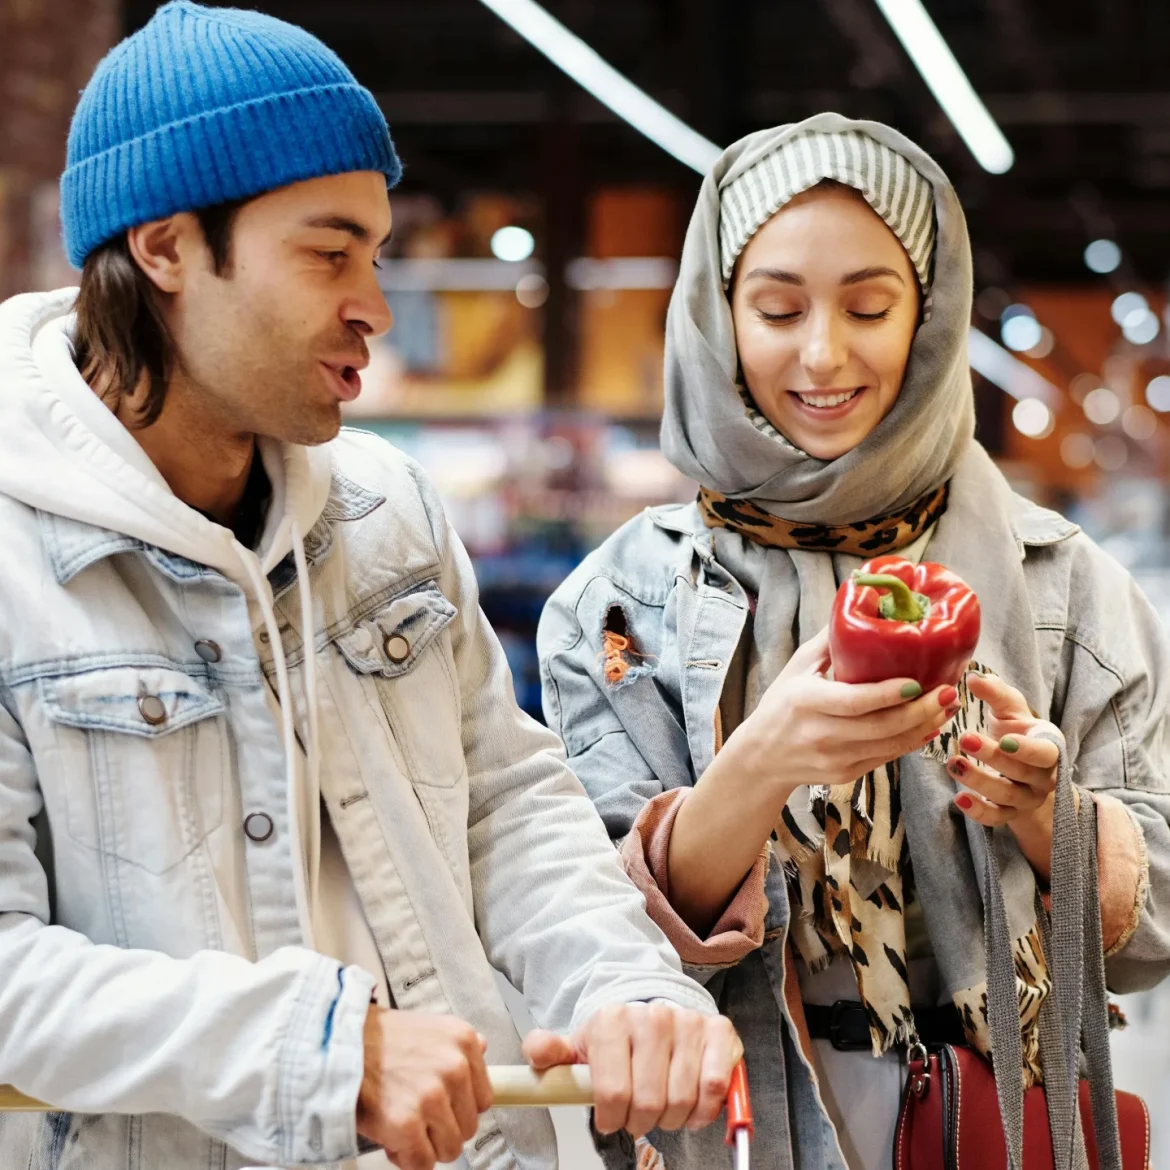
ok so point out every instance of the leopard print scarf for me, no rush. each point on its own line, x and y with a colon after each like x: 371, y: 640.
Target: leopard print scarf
x: 849, y: 878
x: 844, y: 847
x: 868, y: 538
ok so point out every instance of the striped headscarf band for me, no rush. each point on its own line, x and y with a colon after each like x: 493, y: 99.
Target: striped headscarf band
x: 888, y: 182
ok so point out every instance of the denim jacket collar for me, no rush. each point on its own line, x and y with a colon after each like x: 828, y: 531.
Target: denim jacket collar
x: 72, y: 545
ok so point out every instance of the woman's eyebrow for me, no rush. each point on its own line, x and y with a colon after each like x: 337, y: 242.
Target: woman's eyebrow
x: 864, y: 274
x: 776, y: 274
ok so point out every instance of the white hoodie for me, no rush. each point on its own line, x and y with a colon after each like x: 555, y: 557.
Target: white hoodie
x: 66, y: 453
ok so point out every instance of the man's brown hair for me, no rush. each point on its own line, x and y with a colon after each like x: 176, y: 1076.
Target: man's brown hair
x: 120, y: 327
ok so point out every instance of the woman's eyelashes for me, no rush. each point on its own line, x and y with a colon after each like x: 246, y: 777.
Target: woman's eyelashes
x: 796, y: 314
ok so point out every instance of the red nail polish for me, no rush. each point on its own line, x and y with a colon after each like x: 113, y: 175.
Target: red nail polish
x: 947, y: 697
x: 932, y: 735
x: 971, y: 743
x: 964, y: 802
x: 952, y: 712
x: 958, y: 767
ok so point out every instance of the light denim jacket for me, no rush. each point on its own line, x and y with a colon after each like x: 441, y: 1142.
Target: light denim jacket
x: 152, y: 980
x: 1107, y: 676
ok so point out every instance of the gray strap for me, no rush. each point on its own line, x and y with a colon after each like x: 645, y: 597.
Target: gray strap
x: 1073, y: 949
x: 1063, y: 1115
x: 1003, y: 1010
x: 1066, y: 960
x: 1095, y: 1026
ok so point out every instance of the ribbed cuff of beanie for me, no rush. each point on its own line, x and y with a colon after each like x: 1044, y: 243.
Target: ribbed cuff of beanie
x: 225, y: 154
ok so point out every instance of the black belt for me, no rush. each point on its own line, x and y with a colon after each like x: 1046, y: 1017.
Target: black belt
x: 845, y: 1025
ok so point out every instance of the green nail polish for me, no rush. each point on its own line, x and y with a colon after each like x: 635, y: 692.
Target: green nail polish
x: 911, y: 690
x: 1009, y: 744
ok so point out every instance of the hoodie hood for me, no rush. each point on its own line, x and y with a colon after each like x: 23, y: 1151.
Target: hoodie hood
x: 62, y: 451
x: 710, y: 429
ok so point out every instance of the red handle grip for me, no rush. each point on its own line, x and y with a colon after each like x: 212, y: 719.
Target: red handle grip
x: 739, y: 1105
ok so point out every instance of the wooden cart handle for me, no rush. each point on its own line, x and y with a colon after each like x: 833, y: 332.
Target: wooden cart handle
x: 512, y: 1086
x: 518, y: 1085
x: 13, y: 1102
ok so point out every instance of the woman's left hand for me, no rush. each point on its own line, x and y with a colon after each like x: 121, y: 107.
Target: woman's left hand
x: 1011, y: 774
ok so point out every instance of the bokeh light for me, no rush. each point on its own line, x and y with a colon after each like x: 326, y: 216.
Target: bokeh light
x: 1102, y: 256
x: 513, y: 244
x: 1033, y: 418
x: 1101, y: 406
x: 1077, y: 450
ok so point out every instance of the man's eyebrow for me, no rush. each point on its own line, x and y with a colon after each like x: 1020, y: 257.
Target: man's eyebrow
x: 341, y: 223
x: 864, y: 274
x: 776, y: 274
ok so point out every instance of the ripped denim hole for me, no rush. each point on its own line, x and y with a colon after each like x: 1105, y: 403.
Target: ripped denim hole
x: 619, y: 656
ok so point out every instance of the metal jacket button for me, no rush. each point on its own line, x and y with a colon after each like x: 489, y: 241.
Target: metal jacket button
x: 152, y: 710
x: 397, y: 648
x: 207, y: 650
x: 258, y: 826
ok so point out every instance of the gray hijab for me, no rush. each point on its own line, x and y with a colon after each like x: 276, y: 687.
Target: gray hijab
x: 706, y: 431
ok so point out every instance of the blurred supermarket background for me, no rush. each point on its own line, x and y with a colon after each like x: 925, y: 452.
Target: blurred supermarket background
x: 537, y: 231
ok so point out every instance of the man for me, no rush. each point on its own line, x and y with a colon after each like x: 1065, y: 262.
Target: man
x: 281, y: 877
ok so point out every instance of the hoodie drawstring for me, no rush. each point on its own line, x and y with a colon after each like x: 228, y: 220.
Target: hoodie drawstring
x: 312, y: 730
x: 305, y: 867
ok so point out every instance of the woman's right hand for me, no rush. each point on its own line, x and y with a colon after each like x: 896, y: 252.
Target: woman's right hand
x: 808, y: 729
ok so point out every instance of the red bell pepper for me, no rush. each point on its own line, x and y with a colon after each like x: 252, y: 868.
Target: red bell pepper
x: 895, y: 619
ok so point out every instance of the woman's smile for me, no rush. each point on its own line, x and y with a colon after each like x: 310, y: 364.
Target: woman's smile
x: 827, y: 406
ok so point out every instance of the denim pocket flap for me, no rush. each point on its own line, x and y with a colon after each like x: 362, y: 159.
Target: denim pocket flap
x: 389, y: 641
x: 149, y: 701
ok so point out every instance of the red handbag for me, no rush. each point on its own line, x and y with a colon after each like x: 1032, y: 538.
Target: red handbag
x: 950, y: 1119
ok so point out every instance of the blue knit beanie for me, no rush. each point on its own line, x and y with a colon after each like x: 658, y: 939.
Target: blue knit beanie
x: 205, y: 105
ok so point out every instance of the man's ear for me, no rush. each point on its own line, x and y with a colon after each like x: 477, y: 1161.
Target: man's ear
x: 168, y: 250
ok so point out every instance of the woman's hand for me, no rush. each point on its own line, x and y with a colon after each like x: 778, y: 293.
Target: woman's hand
x: 808, y: 729
x: 1011, y: 774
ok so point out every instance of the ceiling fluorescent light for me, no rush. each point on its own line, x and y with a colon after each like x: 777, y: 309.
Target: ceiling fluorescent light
x: 1011, y: 375
x: 584, y: 66
x: 947, y: 81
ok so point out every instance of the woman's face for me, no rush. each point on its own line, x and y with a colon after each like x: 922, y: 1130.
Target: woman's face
x: 825, y: 303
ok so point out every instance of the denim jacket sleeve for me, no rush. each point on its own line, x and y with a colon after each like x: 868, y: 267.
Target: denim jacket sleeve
x: 636, y: 789
x: 1112, y: 701
x: 554, y: 909
x: 265, y: 1056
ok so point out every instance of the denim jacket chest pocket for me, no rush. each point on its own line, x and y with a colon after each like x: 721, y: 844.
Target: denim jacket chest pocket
x: 404, y: 651
x: 142, y: 754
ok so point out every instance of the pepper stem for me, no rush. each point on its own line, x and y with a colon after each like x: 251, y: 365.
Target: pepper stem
x: 901, y: 603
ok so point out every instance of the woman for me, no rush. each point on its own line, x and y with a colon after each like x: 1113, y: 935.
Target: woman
x: 818, y: 390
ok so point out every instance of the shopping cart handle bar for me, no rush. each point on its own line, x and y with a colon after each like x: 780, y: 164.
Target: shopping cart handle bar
x: 512, y: 1086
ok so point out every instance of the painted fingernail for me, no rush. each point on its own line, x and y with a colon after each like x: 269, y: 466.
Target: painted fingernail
x: 932, y: 735
x: 1009, y: 743
x: 911, y: 690
x: 964, y: 802
x: 952, y: 712
x: 958, y: 767
x: 971, y: 742
x: 947, y: 697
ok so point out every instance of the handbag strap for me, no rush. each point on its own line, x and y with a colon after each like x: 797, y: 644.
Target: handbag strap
x: 1095, y: 1026
x: 1076, y: 958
